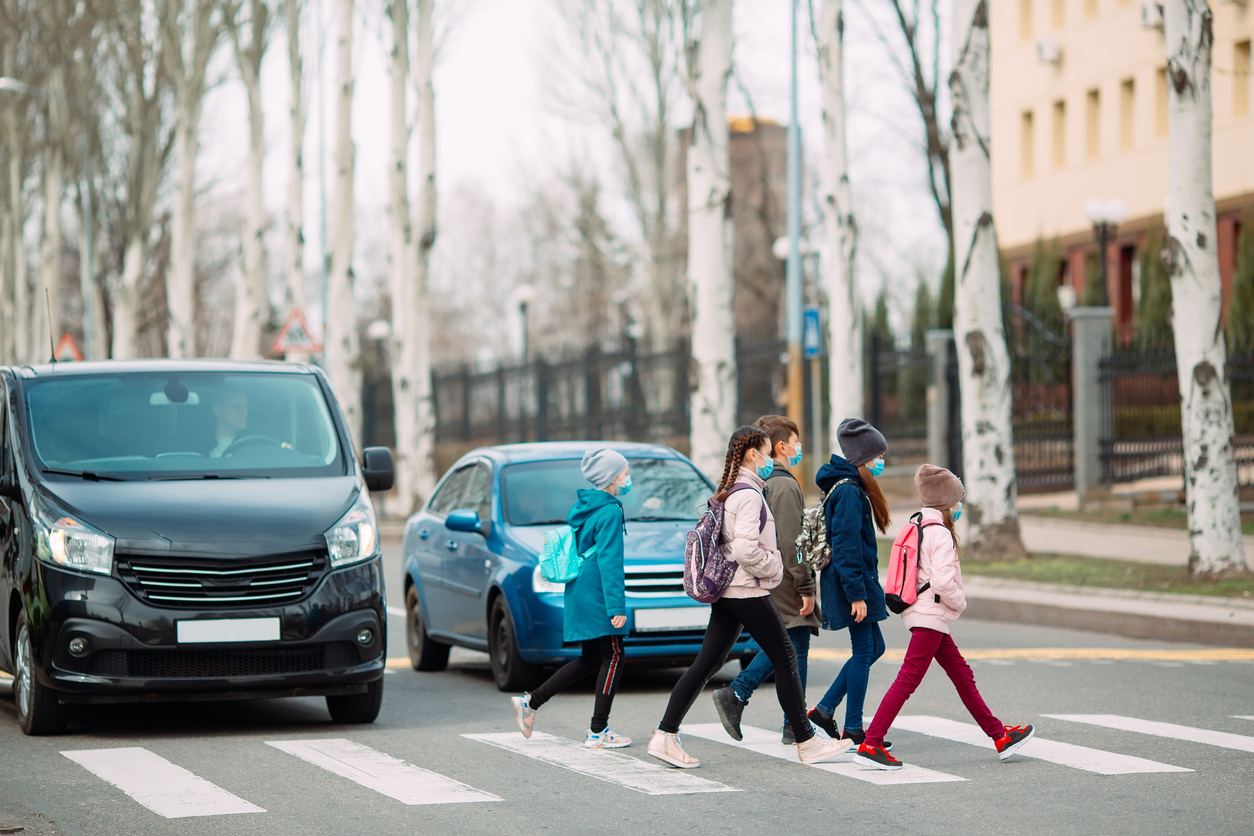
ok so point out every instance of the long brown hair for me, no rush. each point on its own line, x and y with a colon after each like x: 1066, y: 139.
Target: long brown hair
x: 879, y: 505
x: 948, y: 517
x: 742, y: 441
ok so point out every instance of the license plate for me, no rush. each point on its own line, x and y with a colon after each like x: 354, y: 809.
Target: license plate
x: 205, y: 631
x: 672, y: 618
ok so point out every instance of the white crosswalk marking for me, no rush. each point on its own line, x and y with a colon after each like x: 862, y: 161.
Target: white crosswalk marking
x: 1243, y: 716
x: 767, y: 743
x: 382, y: 773
x: 1066, y: 754
x: 165, y: 788
x: 1132, y: 724
x: 603, y: 764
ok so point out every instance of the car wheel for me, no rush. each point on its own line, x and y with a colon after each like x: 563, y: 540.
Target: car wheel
x: 425, y: 653
x: 357, y: 708
x: 38, y: 711
x: 509, y: 669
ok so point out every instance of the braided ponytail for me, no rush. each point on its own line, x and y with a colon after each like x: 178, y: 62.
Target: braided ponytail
x: 742, y: 441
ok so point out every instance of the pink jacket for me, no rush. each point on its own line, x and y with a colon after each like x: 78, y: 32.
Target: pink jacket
x: 760, y: 567
x: 938, y: 564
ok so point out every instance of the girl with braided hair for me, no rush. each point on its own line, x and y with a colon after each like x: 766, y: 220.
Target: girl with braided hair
x: 748, y: 539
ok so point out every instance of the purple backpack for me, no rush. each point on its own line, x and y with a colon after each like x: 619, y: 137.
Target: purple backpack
x: 707, y: 571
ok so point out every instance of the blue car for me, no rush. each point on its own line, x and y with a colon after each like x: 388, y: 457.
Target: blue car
x: 472, y: 555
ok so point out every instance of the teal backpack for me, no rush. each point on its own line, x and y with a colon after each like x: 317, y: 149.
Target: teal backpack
x: 560, y: 560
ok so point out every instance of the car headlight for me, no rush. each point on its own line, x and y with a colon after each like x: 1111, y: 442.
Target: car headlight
x: 539, y: 583
x: 69, y: 543
x: 356, y: 536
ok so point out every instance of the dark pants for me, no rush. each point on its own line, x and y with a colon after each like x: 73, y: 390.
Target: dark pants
x: 761, y: 619
x: 760, y: 668
x: 867, y: 643
x: 925, y: 645
x: 602, y: 656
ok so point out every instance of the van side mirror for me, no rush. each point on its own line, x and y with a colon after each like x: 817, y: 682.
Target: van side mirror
x: 466, y: 519
x: 377, y: 468
x: 9, y: 488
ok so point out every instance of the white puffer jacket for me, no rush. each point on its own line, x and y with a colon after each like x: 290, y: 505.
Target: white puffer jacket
x: 938, y: 565
x: 760, y: 567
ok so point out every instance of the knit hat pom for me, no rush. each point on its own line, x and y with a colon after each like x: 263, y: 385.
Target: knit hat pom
x: 937, y: 487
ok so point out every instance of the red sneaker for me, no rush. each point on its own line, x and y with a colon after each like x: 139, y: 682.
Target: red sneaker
x: 1013, y: 740
x: 876, y: 757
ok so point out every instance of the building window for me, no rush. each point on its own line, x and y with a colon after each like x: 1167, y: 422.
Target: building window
x: 1090, y: 8
x: 1027, y: 145
x: 1241, y: 79
x: 1025, y: 19
x: 1127, y: 113
x: 1093, y: 124
x: 1163, y: 103
x: 1060, y: 133
x: 1060, y: 13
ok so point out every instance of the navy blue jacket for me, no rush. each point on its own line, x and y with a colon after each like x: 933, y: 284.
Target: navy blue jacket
x: 853, y: 574
x: 600, y: 591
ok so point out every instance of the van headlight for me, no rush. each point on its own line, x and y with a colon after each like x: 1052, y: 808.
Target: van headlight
x: 356, y: 536
x: 69, y: 543
x: 541, y: 584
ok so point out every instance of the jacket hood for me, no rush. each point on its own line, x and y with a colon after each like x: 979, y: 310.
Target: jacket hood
x: 835, y: 470
x: 588, y: 503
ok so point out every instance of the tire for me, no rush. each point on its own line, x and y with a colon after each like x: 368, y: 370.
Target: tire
x: 358, y: 708
x: 38, y: 712
x: 425, y: 653
x: 509, y: 669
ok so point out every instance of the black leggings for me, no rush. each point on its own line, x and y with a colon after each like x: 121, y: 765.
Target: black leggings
x: 602, y: 656
x: 761, y: 619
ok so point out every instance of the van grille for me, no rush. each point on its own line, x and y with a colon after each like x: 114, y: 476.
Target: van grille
x: 184, y: 664
x: 660, y: 581
x: 222, y: 583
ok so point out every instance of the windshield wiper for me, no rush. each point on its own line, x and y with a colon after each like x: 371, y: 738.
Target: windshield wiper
x: 659, y: 519
x: 83, y: 474
x: 544, y: 522
x: 197, y: 476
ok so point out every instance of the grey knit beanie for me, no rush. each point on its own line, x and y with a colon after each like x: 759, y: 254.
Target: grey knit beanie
x: 602, y: 466
x: 860, y: 442
x: 937, y: 487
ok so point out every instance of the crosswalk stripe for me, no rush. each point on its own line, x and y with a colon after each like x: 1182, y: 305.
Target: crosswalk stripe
x: 1189, y: 733
x: 165, y: 788
x: 1065, y: 754
x: 382, y: 773
x: 603, y: 764
x: 1243, y: 716
x: 766, y: 742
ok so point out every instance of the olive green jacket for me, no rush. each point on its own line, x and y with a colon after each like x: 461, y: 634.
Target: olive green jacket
x: 784, y: 498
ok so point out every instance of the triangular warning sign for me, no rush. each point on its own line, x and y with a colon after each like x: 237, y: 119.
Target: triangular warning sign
x: 67, y: 350
x: 295, y: 337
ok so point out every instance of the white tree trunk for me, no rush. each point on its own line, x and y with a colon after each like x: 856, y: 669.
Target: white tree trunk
x: 714, y: 395
x: 126, y: 298
x: 342, y: 350
x: 411, y: 326
x: 844, y: 319
x: 1197, y: 309
x: 16, y: 263
x: 49, y: 307
x: 983, y: 361
x: 295, y: 270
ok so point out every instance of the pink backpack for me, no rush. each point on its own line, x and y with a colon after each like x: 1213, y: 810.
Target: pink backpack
x: 902, y: 588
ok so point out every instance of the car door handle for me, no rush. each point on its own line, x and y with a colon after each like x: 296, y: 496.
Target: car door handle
x: 423, y: 534
x: 451, y: 545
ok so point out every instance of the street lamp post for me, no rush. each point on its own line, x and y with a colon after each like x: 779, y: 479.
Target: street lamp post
x: 12, y: 85
x: 1105, y: 216
x: 792, y: 273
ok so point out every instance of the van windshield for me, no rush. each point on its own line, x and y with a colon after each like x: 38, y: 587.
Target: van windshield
x: 542, y: 493
x: 183, y: 425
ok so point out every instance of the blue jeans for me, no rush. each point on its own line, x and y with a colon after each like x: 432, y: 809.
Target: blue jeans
x: 760, y: 668
x: 867, y: 643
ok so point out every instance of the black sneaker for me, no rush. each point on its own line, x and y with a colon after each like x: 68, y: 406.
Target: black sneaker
x: 787, y: 737
x: 824, y: 721
x: 877, y: 758
x: 730, y: 707
x: 860, y: 735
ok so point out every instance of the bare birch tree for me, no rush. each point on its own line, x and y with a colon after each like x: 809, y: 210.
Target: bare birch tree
x: 250, y: 35
x: 1193, y: 264
x: 983, y: 360
x: 708, y: 49
x: 295, y: 268
x: 845, y: 386
x: 342, y: 349
x: 17, y: 112
x: 190, y: 31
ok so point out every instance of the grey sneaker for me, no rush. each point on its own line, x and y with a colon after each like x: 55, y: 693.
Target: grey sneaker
x: 729, y: 707
x: 523, y: 714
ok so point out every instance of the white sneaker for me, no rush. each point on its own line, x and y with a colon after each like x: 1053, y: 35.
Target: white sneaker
x: 818, y: 750
x: 668, y: 748
x: 605, y: 740
x: 523, y: 714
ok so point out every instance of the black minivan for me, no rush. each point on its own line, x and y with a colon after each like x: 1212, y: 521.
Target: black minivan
x: 186, y: 530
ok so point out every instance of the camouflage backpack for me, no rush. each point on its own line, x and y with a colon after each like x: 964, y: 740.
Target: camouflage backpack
x: 813, y: 548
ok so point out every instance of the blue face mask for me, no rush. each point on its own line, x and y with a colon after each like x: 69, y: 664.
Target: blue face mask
x: 795, y: 459
x: 957, y: 513
x: 765, y: 470
x: 625, y: 487
x: 877, y: 467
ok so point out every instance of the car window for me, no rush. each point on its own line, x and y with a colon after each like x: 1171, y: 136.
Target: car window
x: 542, y: 493
x: 478, y: 496
x: 450, y: 493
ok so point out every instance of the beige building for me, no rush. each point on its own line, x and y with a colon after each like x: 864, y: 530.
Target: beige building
x: 1079, y: 111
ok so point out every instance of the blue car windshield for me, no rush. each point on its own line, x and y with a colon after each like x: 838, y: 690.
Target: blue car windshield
x: 542, y: 493
x: 176, y: 425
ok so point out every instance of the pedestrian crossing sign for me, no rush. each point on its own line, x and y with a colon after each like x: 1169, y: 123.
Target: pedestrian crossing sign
x: 812, y: 334
x: 67, y: 349
x: 295, y: 337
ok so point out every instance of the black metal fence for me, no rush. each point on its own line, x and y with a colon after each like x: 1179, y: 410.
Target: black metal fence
x: 896, y: 397
x: 1040, y: 378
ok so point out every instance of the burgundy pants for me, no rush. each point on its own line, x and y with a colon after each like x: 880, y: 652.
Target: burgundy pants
x: 925, y: 645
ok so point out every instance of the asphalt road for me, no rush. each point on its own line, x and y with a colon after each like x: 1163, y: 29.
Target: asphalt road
x: 1162, y: 782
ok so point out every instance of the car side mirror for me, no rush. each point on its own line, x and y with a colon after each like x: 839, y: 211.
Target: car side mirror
x: 377, y: 468
x: 465, y: 519
x: 9, y: 488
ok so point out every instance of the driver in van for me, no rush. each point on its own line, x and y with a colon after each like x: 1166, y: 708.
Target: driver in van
x: 231, y: 411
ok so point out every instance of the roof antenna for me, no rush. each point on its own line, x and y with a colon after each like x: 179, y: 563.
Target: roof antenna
x: 51, y: 337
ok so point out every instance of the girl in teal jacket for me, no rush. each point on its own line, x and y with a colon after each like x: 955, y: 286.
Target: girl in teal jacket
x: 596, y: 601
